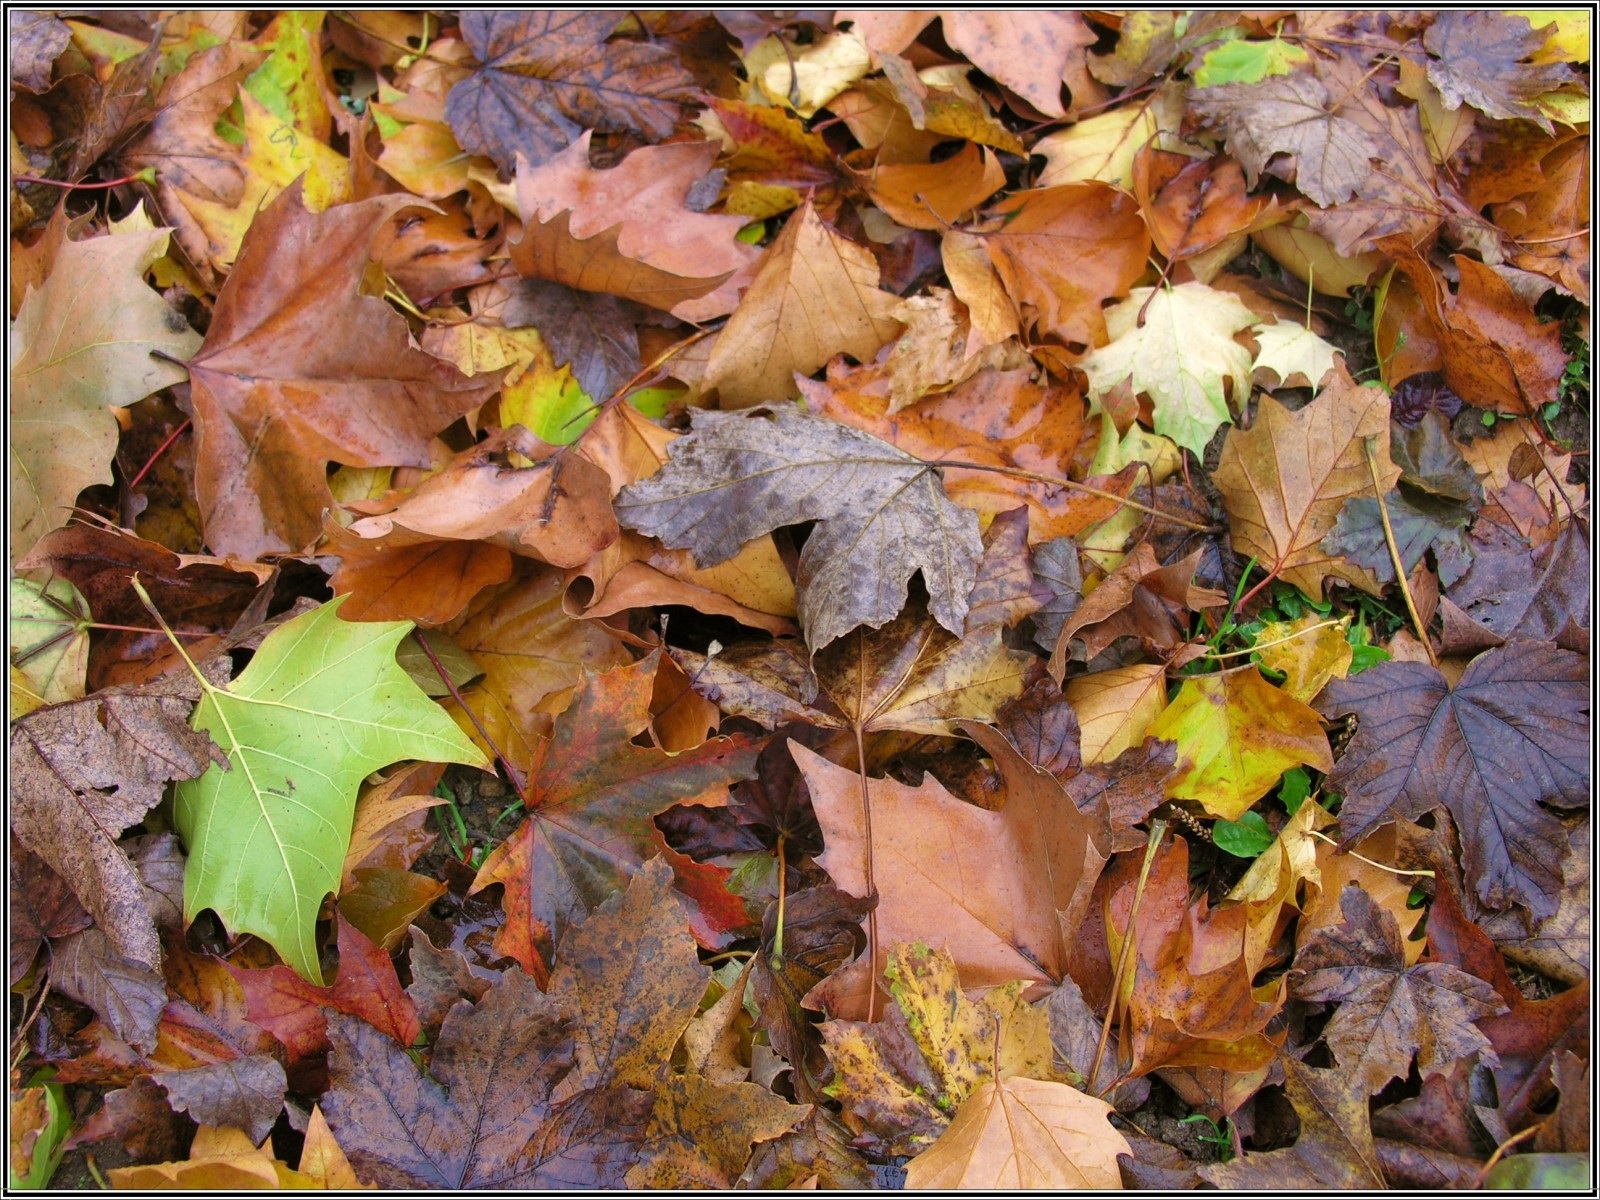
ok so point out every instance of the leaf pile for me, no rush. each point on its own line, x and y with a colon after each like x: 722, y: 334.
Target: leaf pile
x: 800, y: 599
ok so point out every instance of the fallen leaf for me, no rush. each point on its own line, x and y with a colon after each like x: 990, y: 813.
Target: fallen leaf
x: 1388, y: 1012
x: 1116, y: 707
x: 1285, y: 478
x: 483, y: 1114
x: 1294, y: 355
x: 934, y: 195
x: 700, y: 1133
x: 666, y: 256
x: 321, y: 705
x: 1024, y: 1133
x: 815, y: 294
x: 1141, y: 599
x: 530, y: 653
x: 998, y: 877
x: 298, y: 368
x: 594, y: 792
x: 1176, y: 345
x: 190, y: 157
x: 1478, y: 60
x: 1030, y: 56
x: 1492, y: 750
x: 995, y: 420
x: 1308, y: 657
x: 246, y: 1093
x: 366, y: 986
x: 904, y: 1077
x: 1187, y: 998
x: 1236, y: 736
x: 546, y: 77
x: 127, y: 994
x: 1334, y: 1148
x: 1062, y: 252
x: 82, y: 773
x: 882, y: 514
x: 82, y: 345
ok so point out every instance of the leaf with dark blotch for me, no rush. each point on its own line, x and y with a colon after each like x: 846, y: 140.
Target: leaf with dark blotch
x: 881, y: 514
x: 700, y: 1133
x: 1387, y: 1012
x: 1480, y: 58
x: 1510, y: 736
x: 1334, y: 1149
x: 591, y: 827
x: 127, y: 995
x: 1127, y: 789
x: 821, y: 932
x: 547, y: 76
x: 631, y: 977
x: 83, y: 772
x: 470, y: 1120
x: 595, y: 334
x: 246, y: 1093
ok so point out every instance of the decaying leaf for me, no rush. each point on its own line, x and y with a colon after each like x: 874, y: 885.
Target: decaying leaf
x: 883, y: 514
x: 1493, y: 750
x: 1285, y: 478
x: 595, y: 792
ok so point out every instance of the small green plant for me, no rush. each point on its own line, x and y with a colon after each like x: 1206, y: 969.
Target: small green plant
x: 1220, y: 1136
x: 454, y: 829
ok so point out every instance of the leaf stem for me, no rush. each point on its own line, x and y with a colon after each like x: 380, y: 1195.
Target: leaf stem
x: 147, y: 175
x: 144, y: 598
x: 1381, y: 866
x: 511, y: 772
x: 1394, y: 554
x: 1158, y: 831
x: 1074, y: 485
x: 160, y: 450
x: 1277, y: 641
x: 872, y: 889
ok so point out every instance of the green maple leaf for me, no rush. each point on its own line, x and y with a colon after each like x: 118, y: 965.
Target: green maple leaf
x: 321, y: 706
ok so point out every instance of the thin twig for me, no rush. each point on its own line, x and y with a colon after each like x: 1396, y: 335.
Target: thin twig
x: 1394, y: 555
x: 511, y: 772
x: 1279, y: 641
x: 872, y: 915
x: 1381, y: 866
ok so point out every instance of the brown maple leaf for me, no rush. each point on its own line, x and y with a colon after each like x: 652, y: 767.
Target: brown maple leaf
x: 1387, y: 1011
x: 299, y: 368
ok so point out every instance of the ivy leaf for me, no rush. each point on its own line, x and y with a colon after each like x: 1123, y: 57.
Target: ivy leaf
x: 321, y: 706
x: 1182, y: 354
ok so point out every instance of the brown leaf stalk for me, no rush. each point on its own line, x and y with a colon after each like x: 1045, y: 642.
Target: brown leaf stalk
x: 511, y: 772
x: 1158, y: 831
x: 1061, y: 481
